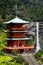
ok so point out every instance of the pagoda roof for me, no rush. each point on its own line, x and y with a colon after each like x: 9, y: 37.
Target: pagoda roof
x: 19, y: 38
x: 17, y: 31
x: 16, y: 20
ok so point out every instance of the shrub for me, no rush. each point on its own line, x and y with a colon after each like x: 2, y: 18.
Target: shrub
x: 7, y: 60
x: 19, y: 59
x: 40, y: 63
x: 1, y: 53
x: 39, y: 56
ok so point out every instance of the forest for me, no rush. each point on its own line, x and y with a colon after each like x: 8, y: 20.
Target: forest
x: 26, y: 9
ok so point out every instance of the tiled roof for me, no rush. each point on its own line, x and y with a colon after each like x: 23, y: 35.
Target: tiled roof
x: 16, y: 20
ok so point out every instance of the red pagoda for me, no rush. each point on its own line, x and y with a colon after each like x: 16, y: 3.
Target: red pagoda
x: 16, y: 35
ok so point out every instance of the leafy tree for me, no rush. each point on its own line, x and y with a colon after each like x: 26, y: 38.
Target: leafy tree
x: 2, y: 40
x: 7, y: 60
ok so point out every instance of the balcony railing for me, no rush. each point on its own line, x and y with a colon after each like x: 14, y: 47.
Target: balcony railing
x: 17, y: 28
x: 23, y: 47
x: 17, y: 36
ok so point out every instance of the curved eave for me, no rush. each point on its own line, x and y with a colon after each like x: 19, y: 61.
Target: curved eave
x: 16, y: 31
x: 18, y: 38
x: 17, y: 20
x: 16, y: 23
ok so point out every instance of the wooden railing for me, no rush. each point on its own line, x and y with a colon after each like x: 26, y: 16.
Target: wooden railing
x: 17, y: 28
x: 17, y: 36
x: 22, y: 47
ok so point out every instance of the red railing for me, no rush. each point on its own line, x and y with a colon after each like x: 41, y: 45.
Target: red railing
x: 23, y: 47
x: 17, y: 28
x: 17, y: 36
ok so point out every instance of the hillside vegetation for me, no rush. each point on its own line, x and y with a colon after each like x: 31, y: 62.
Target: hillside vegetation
x: 39, y: 56
x: 26, y: 9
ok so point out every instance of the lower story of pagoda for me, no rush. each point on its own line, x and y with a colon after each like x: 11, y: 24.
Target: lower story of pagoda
x: 19, y: 49
x: 18, y: 45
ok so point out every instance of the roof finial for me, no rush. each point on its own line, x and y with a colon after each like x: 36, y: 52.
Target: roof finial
x: 16, y: 10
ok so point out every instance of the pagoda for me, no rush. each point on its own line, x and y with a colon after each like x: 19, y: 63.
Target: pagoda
x: 16, y: 35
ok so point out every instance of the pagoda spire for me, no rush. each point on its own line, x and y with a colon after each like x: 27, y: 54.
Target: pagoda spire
x: 16, y: 10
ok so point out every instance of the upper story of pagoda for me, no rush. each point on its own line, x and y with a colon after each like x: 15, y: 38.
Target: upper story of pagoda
x: 17, y: 29
x: 17, y: 25
x: 17, y: 20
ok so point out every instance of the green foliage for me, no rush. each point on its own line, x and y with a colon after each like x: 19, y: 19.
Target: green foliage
x: 7, y: 60
x: 39, y: 56
x: 20, y: 59
x: 41, y: 39
x: 2, y: 40
x: 1, y: 53
x: 27, y: 9
x: 40, y: 63
x: 31, y: 42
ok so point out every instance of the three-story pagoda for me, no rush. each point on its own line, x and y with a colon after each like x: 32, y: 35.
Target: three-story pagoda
x: 16, y: 35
